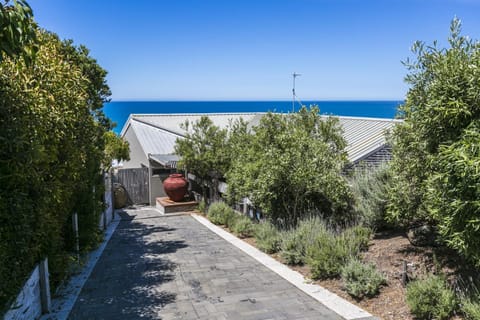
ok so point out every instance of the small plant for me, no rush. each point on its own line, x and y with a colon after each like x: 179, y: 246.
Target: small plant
x: 231, y: 218
x: 327, y: 254
x: 202, y: 206
x: 357, y: 237
x: 469, y: 298
x: 370, y: 191
x: 471, y: 308
x: 267, y: 237
x: 220, y: 213
x: 293, y: 248
x: 431, y: 298
x: 360, y: 279
x: 243, y: 226
x: 296, y: 241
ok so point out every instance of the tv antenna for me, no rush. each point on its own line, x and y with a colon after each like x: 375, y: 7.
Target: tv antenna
x: 294, y: 75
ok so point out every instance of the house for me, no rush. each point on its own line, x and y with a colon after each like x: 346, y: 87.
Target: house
x: 152, y: 139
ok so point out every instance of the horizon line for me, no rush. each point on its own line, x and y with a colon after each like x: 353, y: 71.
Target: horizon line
x: 258, y: 100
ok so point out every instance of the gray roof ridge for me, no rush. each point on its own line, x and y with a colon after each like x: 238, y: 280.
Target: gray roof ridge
x: 159, y: 127
x: 364, y: 118
x: 139, y: 115
x: 193, y: 114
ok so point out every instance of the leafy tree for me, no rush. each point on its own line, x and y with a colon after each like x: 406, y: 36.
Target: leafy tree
x: 17, y: 30
x: 454, y: 192
x: 97, y: 89
x: 433, y: 168
x: 292, y: 165
x: 203, y: 152
x: 115, y: 149
x: 51, y: 151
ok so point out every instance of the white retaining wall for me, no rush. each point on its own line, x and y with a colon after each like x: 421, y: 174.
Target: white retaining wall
x: 28, y: 303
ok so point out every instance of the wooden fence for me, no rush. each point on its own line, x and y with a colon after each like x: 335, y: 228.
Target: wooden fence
x: 135, y: 181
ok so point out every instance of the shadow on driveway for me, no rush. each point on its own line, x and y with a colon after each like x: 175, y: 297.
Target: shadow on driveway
x: 125, y: 283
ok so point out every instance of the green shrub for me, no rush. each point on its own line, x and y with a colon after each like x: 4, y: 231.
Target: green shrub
x: 431, y: 298
x: 52, y: 139
x: 329, y: 251
x: 453, y: 193
x: 360, y: 279
x: 357, y: 238
x: 267, y: 237
x: 220, y: 213
x: 231, y: 218
x: 292, y: 248
x: 202, y: 206
x: 370, y: 192
x: 296, y: 241
x: 326, y: 255
x: 243, y: 226
x: 292, y: 164
x: 471, y: 308
x: 470, y: 301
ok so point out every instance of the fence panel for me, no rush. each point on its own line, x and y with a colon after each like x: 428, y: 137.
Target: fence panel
x: 135, y: 181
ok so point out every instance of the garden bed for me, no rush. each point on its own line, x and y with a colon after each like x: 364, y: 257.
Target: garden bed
x: 387, y: 251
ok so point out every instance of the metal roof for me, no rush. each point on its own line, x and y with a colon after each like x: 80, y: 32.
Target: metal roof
x: 167, y: 160
x: 157, y: 133
x: 173, y: 122
x: 153, y: 140
x: 364, y: 135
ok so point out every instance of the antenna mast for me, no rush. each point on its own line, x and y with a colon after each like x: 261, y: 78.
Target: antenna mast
x: 293, y: 90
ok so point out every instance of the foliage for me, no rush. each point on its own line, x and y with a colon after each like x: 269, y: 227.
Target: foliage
x: 243, y: 226
x: 326, y: 256
x: 296, y: 240
x: 443, y: 100
x: 17, y: 31
x: 469, y: 298
x: 330, y: 251
x: 291, y: 165
x: 97, y: 89
x: 360, y: 279
x: 431, y: 298
x: 202, y: 206
x: 357, y: 237
x: 220, y: 213
x: 370, y: 191
x: 203, y: 151
x: 471, y: 308
x: 51, y: 151
x: 453, y: 193
x: 436, y: 158
x: 115, y: 149
x: 267, y: 237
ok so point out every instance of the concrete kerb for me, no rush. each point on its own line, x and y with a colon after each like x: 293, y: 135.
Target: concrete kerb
x: 340, y: 306
x: 68, y: 294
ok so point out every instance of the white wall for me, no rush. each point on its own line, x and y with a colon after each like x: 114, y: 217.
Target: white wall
x: 137, y: 155
x: 28, y: 303
x: 156, y: 188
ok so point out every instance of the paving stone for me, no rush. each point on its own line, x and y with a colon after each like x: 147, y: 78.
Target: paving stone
x: 159, y: 267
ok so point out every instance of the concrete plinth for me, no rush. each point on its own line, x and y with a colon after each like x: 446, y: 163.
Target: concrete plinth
x: 165, y: 205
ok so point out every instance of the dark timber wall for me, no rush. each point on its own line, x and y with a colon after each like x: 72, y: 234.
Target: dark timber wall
x: 135, y: 181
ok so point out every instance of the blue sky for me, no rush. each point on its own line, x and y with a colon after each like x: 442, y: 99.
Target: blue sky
x: 248, y: 49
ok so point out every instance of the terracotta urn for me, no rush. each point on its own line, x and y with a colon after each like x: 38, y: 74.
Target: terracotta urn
x: 175, y: 186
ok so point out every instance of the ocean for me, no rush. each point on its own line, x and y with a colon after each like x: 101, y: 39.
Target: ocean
x: 118, y: 111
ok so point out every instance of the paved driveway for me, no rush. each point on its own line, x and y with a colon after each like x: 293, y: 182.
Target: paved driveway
x: 159, y: 267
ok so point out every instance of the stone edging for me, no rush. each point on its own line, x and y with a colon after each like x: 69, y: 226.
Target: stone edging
x: 340, y: 306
